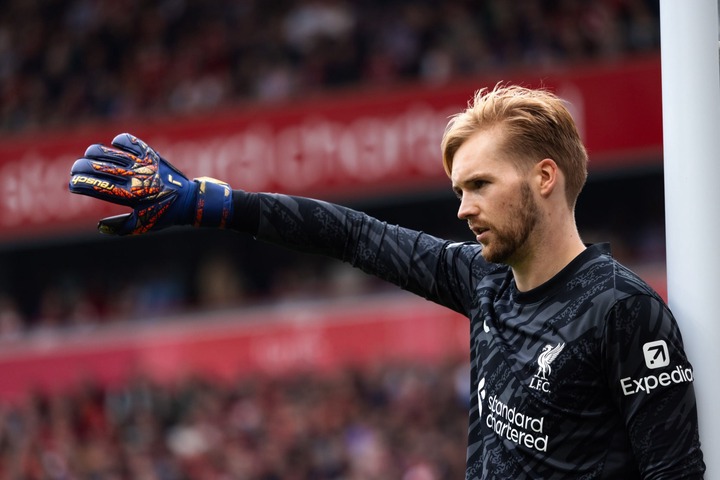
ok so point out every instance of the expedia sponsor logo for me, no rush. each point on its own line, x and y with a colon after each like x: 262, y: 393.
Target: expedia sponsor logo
x: 631, y: 386
x: 656, y: 355
x: 93, y: 182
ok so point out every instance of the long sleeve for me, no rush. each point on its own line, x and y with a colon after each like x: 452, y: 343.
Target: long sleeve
x: 436, y: 269
x: 651, y: 378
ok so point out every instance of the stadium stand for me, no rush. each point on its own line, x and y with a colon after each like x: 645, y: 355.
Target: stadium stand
x: 72, y: 63
x: 79, y: 60
x: 395, y: 421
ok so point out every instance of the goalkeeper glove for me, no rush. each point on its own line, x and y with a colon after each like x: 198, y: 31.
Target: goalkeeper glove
x: 132, y: 174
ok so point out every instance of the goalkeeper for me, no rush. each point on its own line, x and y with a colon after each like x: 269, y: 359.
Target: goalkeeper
x: 578, y: 368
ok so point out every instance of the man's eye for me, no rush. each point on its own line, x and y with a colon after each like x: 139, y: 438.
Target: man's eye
x: 458, y: 194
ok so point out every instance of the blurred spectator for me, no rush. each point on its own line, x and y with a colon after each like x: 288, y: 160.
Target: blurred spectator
x: 218, y: 282
x: 11, y: 319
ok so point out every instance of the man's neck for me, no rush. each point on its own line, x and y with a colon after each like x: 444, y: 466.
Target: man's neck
x: 546, y: 257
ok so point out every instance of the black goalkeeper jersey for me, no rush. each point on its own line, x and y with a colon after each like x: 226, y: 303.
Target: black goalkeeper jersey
x: 583, y: 377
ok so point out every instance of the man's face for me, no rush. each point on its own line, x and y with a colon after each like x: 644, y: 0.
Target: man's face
x: 495, y: 198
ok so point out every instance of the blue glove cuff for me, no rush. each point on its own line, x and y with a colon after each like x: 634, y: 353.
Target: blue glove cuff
x: 214, y: 205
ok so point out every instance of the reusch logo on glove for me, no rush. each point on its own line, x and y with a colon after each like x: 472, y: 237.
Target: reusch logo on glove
x: 104, y: 184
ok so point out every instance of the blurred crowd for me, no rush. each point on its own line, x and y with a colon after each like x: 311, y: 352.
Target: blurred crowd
x: 391, y: 422
x: 45, y: 291
x: 65, y: 62
x: 69, y: 61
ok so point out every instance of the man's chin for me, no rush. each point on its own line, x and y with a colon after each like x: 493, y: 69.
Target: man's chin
x: 491, y: 255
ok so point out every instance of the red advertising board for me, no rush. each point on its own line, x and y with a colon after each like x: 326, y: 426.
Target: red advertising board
x: 228, y: 345
x: 356, y: 143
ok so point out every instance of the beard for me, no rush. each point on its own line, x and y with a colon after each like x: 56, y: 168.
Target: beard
x: 508, y: 240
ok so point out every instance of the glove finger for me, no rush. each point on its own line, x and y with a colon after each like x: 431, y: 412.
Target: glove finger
x: 134, y: 146
x: 85, y: 180
x: 110, y: 155
x: 101, y: 189
x: 109, y: 171
x: 118, y: 225
x: 144, y: 153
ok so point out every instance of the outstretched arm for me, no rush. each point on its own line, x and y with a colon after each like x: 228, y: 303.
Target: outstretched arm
x: 131, y: 173
x: 413, y: 260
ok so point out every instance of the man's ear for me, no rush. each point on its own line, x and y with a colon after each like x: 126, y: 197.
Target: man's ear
x: 547, y: 175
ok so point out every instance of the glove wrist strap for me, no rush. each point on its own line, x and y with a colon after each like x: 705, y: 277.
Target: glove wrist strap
x: 213, y: 206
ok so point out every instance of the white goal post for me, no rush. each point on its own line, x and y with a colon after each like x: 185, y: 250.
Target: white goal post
x: 691, y: 138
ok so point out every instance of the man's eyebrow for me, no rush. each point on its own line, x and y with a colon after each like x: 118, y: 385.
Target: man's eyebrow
x: 475, y: 177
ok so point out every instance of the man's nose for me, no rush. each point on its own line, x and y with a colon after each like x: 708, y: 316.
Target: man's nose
x: 467, y: 208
